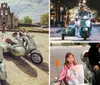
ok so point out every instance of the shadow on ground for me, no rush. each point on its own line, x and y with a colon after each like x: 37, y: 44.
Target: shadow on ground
x: 22, y: 65
x: 43, y: 66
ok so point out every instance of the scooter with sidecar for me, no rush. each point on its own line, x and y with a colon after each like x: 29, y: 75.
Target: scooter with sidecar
x: 69, y: 30
x: 22, y: 46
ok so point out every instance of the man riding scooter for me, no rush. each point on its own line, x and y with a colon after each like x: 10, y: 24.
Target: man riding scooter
x: 85, y: 25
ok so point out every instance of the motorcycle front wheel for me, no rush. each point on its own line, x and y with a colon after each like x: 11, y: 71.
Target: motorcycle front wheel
x: 3, y: 82
x: 36, y: 58
x: 85, y: 35
x: 63, y: 36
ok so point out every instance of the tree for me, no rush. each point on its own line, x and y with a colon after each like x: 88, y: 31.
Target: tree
x: 21, y: 21
x: 94, y: 4
x: 68, y: 3
x: 27, y: 20
x: 44, y: 19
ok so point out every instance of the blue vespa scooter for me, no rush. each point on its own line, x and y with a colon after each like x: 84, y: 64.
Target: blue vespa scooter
x: 85, y: 27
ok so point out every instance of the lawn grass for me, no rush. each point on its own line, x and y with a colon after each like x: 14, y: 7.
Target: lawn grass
x: 33, y: 28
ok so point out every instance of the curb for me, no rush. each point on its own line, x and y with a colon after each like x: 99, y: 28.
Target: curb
x: 46, y: 32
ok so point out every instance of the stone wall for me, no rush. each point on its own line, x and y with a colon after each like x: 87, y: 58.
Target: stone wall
x: 7, y: 17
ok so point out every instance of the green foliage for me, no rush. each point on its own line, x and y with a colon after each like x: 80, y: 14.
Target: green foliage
x: 27, y: 20
x: 94, y: 4
x: 21, y: 21
x: 74, y: 44
x: 44, y: 19
x: 68, y: 3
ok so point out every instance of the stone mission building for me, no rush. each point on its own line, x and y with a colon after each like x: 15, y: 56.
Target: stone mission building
x: 6, y: 17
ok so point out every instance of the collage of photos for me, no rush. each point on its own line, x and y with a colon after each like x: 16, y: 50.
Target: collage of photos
x: 49, y: 42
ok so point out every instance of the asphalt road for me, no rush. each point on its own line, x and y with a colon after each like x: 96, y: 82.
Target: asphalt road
x: 21, y: 71
x: 56, y: 36
x: 58, y: 52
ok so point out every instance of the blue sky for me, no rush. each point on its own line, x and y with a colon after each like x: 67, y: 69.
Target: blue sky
x: 31, y: 8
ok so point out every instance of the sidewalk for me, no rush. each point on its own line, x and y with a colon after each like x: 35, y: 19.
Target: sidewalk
x: 96, y: 24
x: 55, y: 29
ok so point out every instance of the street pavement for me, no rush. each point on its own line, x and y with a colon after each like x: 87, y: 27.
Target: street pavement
x: 58, y: 52
x: 21, y: 71
x: 55, y: 35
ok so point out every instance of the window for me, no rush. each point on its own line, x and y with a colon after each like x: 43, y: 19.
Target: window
x: 6, y: 12
x: 1, y: 12
x: 4, y: 5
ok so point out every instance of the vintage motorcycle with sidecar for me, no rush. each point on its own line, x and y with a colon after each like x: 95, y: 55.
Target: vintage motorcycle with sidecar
x: 22, y: 46
x: 69, y: 30
x: 3, y: 74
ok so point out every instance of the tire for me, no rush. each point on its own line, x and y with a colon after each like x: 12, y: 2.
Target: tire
x: 85, y: 35
x: 33, y: 57
x: 7, y: 54
x: 63, y: 36
x: 3, y: 82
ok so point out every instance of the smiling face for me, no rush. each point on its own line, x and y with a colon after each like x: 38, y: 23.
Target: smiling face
x: 70, y: 59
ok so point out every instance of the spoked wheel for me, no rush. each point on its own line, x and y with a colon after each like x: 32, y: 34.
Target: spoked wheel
x: 36, y: 58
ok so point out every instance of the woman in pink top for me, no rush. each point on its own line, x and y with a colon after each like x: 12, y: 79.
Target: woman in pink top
x: 66, y: 70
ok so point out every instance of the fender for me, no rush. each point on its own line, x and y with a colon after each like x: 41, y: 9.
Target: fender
x: 35, y: 51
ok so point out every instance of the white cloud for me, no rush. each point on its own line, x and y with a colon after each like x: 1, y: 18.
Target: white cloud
x: 31, y: 8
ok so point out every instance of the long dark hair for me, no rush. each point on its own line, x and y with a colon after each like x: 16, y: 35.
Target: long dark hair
x: 66, y: 62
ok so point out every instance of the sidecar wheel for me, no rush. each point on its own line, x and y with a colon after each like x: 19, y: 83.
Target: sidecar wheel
x: 3, y: 82
x: 36, y: 58
x: 63, y: 36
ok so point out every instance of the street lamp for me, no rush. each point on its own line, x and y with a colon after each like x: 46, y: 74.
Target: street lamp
x: 84, y: 1
x: 61, y: 8
x: 51, y: 6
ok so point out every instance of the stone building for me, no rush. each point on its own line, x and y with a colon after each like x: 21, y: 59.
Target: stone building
x: 7, y: 18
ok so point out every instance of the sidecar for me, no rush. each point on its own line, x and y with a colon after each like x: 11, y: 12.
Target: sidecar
x: 68, y: 31
x: 88, y: 72
x: 3, y: 74
x: 63, y: 82
x: 25, y: 46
